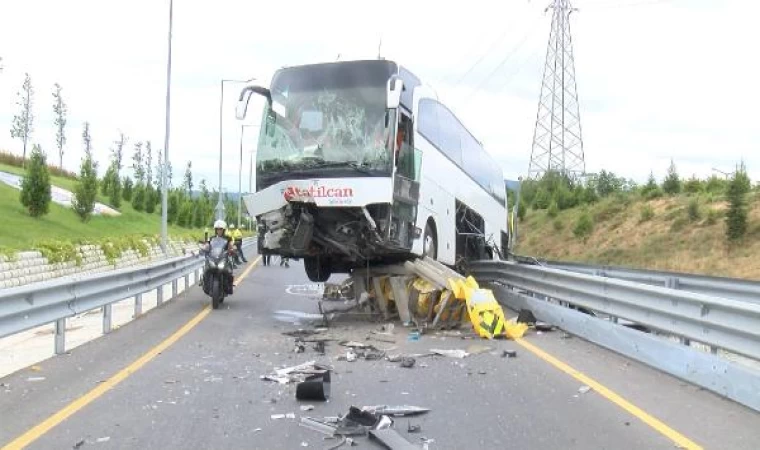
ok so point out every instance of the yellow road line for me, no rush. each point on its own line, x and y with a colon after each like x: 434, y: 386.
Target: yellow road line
x: 679, y: 439
x: 43, y: 427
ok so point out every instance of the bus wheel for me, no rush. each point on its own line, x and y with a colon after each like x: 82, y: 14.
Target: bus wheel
x: 317, y: 269
x: 430, y: 242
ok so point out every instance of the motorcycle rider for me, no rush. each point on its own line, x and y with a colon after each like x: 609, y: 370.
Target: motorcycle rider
x: 220, y: 232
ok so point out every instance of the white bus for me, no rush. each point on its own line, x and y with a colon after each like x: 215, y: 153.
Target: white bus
x: 358, y: 163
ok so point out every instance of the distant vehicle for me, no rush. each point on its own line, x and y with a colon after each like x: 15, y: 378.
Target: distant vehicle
x: 358, y: 163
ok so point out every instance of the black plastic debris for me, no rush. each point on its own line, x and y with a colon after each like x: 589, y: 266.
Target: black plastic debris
x: 526, y: 316
x: 408, y: 363
x: 315, y: 387
x: 509, y: 354
x: 413, y: 428
x: 543, y: 326
x: 361, y: 417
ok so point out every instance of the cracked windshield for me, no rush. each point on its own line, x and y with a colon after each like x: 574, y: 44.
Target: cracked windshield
x: 386, y: 224
x: 326, y: 116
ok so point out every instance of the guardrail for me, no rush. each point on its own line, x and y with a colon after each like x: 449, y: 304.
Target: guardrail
x: 722, y: 323
x: 38, y: 304
x: 733, y: 288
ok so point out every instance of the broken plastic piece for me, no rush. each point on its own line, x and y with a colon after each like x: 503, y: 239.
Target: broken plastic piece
x: 450, y: 353
x: 384, y: 423
x: 509, y: 354
x: 308, y: 422
x: 400, y: 410
x: 391, y: 439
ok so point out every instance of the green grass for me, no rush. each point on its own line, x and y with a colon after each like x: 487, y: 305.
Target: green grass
x: 21, y: 232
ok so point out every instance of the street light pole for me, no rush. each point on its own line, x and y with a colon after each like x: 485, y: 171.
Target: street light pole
x: 240, y: 177
x: 220, y: 204
x: 164, y: 200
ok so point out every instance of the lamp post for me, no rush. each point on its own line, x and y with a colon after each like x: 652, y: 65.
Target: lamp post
x: 220, y: 203
x: 240, y: 172
x: 164, y: 201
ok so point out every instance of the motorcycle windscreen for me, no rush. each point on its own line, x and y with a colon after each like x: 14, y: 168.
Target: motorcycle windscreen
x: 218, y: 245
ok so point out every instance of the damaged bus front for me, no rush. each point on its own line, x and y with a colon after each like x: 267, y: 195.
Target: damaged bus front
x: 327, y: 186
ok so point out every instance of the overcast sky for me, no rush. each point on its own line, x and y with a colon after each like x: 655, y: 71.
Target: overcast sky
x: 657, y: 79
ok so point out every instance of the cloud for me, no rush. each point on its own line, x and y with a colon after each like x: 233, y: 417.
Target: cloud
x: 656, y: 80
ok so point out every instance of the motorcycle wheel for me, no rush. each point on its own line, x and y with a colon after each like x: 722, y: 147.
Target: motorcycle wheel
x: 216, y: 293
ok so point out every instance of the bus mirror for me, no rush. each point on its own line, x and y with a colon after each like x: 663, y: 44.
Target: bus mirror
x: 395, y: 86
x: 245, y: 96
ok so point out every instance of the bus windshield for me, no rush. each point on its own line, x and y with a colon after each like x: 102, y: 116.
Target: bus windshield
x: 324, y: 118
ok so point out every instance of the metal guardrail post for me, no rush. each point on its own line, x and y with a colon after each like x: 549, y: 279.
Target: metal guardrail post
x: 107, y: 314
x: 187, y: 281
x: 159, y: 295
x: 60, y: 336
x: 174, y: 289
x: 138, y: 305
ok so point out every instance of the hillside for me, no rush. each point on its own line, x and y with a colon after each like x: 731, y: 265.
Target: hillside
x: 22, y: 232
x: 664, y: 233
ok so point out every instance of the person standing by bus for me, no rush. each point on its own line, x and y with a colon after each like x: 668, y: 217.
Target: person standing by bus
x: 237, y: 237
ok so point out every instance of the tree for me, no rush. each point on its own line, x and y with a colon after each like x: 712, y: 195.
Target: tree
x: 127, y: 188
x: 108, y: 179
x: 61, y: 111
x: 150, y: 199
x: 671, y: 185
x: 736, y: 217
x: 87, y: 186
x: 205, y: 195
x: 148, y: 164
x: 114, y: 185
x: 23, y: 123
x: 117, y: 152
x: 35, y: 189
x: 159, y: 170
x: 188, y: 184
x: 169, y: 174
x: 138, y: 197
x: 138, y: 165
x: 87, y: 140
x: 607, y: 183
x: 172, y: 212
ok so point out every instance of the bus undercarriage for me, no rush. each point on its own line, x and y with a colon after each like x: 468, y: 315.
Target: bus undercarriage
x: 334, y: 240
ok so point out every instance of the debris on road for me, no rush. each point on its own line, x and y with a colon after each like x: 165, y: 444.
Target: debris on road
x: 103, y: 439
x: 401, y: 410
x: 315, y: 387
x: 35, y: 379
x: 79, y: 443
x: 408, y: 363
x: 391, y: 439
x: 526, y: 316
x: 295, y: 374
x: 476, y: 349
x: 307, y: 407
x: 320, y: 427
x: 583, y: 389
x: 458, y: 353
x: 283, y: 416
x: 543, y: 326
x: 413, y: 428
x: 509, y: 354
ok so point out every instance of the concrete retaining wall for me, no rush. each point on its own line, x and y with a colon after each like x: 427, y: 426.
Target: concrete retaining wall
x: 32, y: 267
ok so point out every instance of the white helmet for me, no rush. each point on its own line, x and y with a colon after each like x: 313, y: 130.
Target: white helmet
x: 220, y: 224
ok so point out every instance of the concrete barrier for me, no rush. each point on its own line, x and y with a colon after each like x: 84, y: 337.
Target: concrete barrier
x: 31, y: 267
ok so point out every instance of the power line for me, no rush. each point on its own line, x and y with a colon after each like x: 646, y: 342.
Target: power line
x: 506, y: 58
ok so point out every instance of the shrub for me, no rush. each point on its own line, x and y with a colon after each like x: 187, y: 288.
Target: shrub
x: 553, y: 210
x: 584, y: 226
x: 17, y: 161
x: 712, y: 216
x: 558, y: 225
x: 653, y: 194
x: 35, y: 188
x: 693, y: 185
x: 736, y: 216
x: 647, y: 213
x: 693, y: 210
x: 671, y: 185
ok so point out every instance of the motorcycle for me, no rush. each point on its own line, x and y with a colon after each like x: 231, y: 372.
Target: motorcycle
x: 217, y: 273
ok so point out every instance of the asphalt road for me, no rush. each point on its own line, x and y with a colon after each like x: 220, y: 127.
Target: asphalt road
x: 204, y: 391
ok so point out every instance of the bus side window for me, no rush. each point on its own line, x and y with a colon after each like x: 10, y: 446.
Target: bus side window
x: 406, y: 157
